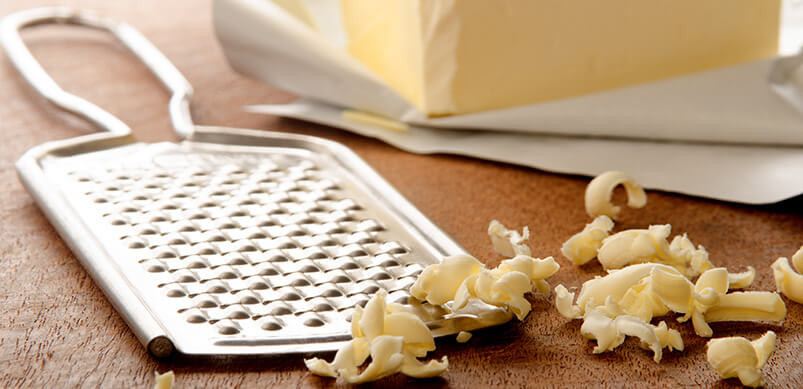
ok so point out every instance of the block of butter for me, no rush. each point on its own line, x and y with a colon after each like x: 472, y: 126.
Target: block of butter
x: 451, y: 57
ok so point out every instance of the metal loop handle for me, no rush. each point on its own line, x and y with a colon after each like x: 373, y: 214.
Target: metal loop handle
x: 35, y: 75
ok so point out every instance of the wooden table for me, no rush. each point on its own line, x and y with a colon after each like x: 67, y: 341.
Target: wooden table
x: 58, y: 330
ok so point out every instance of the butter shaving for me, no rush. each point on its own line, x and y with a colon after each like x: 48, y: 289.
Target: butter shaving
x: 788, y: 280
x: 393, y: 338
x: 600, y: 189
x: 639, y: 246
x: 737, y: 357
x: 508, y: 242
x: 582, y: 246
x: 463, y: 337
x: 163, y: 381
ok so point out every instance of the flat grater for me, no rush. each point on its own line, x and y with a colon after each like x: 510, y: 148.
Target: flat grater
x: 233, y: 241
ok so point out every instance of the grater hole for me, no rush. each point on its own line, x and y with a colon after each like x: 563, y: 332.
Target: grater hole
x: 291, y: 297
x: 332, y: 293
x: 313, y: 322
x: 217, y: 289
x: 156, y: 269
x: 101, y: 200
x: 207, y: 304
x: 196, y: 319
x: 340, y: 279
x: 228, y: 330
x: 257, y: 235
x: 186, y: 278
x: 328, y: 243
x: 350, y: 266
x: 166, y: 255
x: 247, y: 248
x: 381, y: 276
x: 404, y: 300
x: 118, y: 222
x: 390, y: 263
x: 249, y: 300
x: 278, y: 258
x: 196, y: 265
x: 206, y: 251
x: 357, y: 253
x: 177, y: 242
x: 323, y: 307
x: 228, y: 275
x: 136, y: 245
x: 271, y: 326
x: 157, y: 219
x: 309, y: 269
x: 216, y: 237
x: 176, y: 293
x: 238, y: 261
x: 238, y: 315
x: 300, y: 282
x: 317, y: 255
x: 280, y: 311
x: 261, y: 285
x: 362, y: 302
x: 371, y: 289
x: 268, y: 272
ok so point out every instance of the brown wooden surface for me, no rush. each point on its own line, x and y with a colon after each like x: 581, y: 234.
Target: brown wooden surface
x: 58, y: 330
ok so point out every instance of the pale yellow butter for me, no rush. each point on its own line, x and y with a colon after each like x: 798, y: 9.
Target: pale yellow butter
x: 392, y: 337
x: 650, y: 290
x: 583, y: 246
x: 458, y: 56
x: 737, y: 357
x: 789, y: 281
x: 163, y: 381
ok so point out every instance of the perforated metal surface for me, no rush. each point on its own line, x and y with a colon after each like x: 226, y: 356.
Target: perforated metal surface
x: 233, y: 245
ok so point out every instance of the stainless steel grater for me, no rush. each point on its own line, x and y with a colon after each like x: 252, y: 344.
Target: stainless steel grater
x: 234, y: 241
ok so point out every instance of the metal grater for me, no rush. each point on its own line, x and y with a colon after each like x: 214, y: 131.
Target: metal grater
x: 232, y: 242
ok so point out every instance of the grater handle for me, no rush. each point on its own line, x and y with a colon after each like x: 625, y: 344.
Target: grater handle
x: 35, y: 75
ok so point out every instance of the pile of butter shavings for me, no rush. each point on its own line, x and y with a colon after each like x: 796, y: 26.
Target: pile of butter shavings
x: 636, y: 245
x: 649, y: 277
x: 391, y: 336
x: 163, y: 381
x: 395, y: 338
x: 737, y: 357
x: 789, y: 281
x: 609, y: 325
x: 462, y: 278
x: 651, y: 290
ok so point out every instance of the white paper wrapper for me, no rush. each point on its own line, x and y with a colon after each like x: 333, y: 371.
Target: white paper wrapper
x: 738, y: 105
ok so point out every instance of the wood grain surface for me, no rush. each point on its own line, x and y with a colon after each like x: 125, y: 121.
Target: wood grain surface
x: 58, y: 330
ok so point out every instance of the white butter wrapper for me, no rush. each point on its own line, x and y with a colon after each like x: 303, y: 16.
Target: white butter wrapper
x: 734, y: 135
